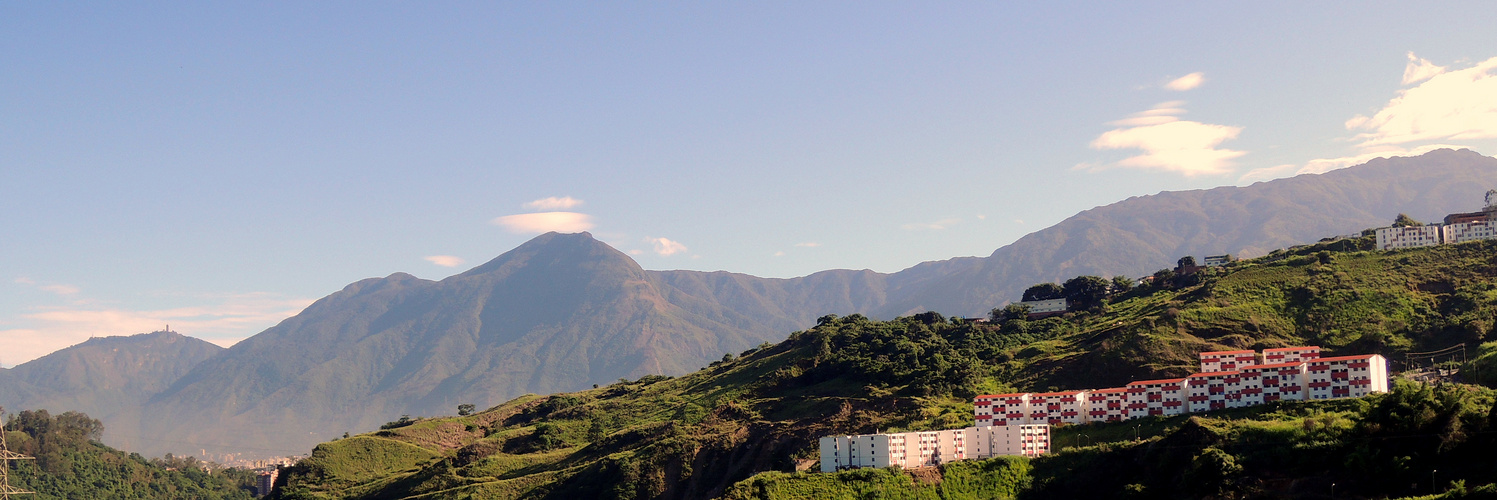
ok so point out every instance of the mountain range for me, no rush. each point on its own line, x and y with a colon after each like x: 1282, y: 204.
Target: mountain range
x: 564, y: 311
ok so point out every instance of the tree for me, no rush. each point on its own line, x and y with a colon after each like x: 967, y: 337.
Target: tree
x: 1008, y: 312
x: 1043, y: 291
x: 1164, y: 279
x: 1121, y: 284
x: 1086, y: 292
x: 1185, y: 262
x: 465, y: 409
x: 1403, y: 220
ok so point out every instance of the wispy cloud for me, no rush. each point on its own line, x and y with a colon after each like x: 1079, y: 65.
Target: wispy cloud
x: 1186, y: 82
x: 666, y: 247
x: 444, y: 260
x: 226, y: 320
x: 809, y: 244
x: 780, y: 253
x: 541, y: 222
x: 1419, y: 69
x: 1168, y: 143
x: 25, y: 281
x: 553, y: 203
x: 61, y: 289
x: 931, y: 226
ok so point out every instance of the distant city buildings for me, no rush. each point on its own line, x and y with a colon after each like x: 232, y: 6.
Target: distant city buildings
x: 1457, y: 228
x: 266, y: 481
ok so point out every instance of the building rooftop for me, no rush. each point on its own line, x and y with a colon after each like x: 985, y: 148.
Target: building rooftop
x: 1341, y: 358
x: 1277, y: 349
x: 1159, y: 381
x: 1228, y: 352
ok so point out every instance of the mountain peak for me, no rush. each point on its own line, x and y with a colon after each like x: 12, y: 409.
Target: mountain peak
x: 554, y: 248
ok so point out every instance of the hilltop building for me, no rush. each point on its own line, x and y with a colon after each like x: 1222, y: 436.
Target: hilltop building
x: 1044, y: 308
x: 1457, y: 228
x: 1219, y: 260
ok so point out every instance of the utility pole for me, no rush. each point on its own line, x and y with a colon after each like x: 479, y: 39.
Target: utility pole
x: 6, y: 456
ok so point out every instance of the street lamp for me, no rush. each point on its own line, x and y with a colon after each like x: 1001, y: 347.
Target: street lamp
x: 1135, y: 431
x: 1432, y: 481
x: 1333, y: 491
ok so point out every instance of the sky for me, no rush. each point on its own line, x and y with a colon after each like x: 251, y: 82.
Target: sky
x: 217, y: 167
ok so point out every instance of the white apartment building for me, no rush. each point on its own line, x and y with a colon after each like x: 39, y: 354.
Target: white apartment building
x: 1068, y: 407
x: 1246, y: 383
x: 1346, y: 376
x: 1002, y: 409
x: 1107, y: 405
x: 930, y: 448
x: 1281, y: 381
x: 1289, y: 355
x: 1227, y: 361
x: 1390, y: 238
x: 1046, y: 307
x: 1208, y: 391
x: 1156, y: 397
x: 1462, y: 232
x: 1028, y: 440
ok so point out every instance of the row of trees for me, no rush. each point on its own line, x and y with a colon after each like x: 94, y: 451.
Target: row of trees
x: 1089, y: 293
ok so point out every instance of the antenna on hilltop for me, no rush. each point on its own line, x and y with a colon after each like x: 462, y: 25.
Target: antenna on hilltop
x: 6, y: 456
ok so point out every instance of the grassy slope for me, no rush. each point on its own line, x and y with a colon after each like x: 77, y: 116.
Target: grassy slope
x: 696, y: 435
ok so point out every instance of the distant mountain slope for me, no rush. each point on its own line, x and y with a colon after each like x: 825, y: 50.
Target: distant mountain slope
x: 1142, y: 234
x: 557, y: 313
x: 103, y: 375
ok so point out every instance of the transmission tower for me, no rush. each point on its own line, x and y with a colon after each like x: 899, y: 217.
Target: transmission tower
x: 6, y: 456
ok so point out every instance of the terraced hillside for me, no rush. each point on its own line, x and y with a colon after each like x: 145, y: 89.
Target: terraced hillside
x: 695, y: 436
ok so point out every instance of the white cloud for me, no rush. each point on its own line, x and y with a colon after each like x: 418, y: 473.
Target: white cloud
x: 666, y: 247
x: 779, y: 253
x: 25, y: 281
x: 61, y: 289
x: 1186, y: 82
x: 225, y: 321
x: 1164, y: 112
x: 636, y: 252
x: 1419, y: 69
x: 1168, y: 143
x: 444, y: 260
x: 552, y: 203
x: 933, y: 226
x: 541, y: 222
x: 1445, y: 106
x: 809, y: 244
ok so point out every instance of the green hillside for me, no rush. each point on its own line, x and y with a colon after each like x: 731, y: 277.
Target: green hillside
x: 70, y: 463
x: 696, y: 436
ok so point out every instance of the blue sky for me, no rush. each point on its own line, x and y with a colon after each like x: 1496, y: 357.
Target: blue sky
x: 217, y: 167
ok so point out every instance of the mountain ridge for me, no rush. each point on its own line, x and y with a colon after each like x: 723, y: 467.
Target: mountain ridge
x: 563, y: 311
